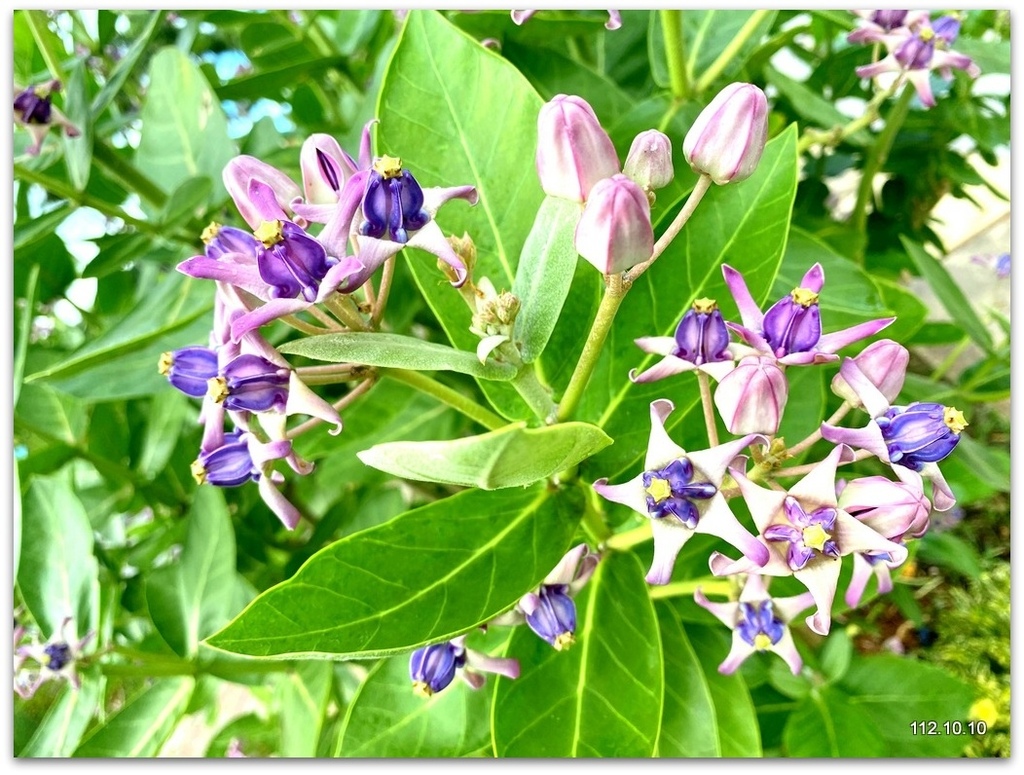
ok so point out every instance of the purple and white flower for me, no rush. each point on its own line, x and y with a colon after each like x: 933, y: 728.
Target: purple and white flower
x: 432, y: 668
x: 39, y: 662
x: 701, y: 343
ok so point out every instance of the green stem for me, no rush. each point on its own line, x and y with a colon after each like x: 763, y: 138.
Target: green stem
x: 949, y: 360
x: 38, y: 25
x: 535, y: 394
x: 729, y: 52
x: 304, y: 327
x: 344, y: 309
x: 709, y: 586
x: 447, y: 395
x: 593, y: 522
x: 877, y: 155
x: 837, y: 415
x: 630, y: 538
x: 836, y: 135
x: 709, y: 408
x: 127, y: 174
x: 675, y: 53
x: 614, y: 293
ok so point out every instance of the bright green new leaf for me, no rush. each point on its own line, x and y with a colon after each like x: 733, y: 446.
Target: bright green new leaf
x: 513, y: 456
x: 396, y: 351
x: 78, y: 150
x: 425, y: 576
x: 601, y: 697
x: 141, y: 726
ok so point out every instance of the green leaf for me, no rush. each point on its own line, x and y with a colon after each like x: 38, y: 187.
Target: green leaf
x: 989, y: 464
x: 78, y: 150
x: 836, y: 655
x: 184, y: 129
x: 544, y: 275
x: 949, y: 294
x: 167, y: 414
x: 826, y: 725
x: 689, y: 727
x: 602, y: 697
x: 512, y: 456
x: 440, y: 102
x: 192, y: 598
x: 126, y: 64
x: 811, y: 106
x: 303, y: 695
x: 427, y: 575
x: 140, y: 727
x: 52, y: 414
x: 897, y: 691
x: 992, y: 56
x: 744, y: 225
x: 188, y: 200
x: 737, y: 721
x: 396, y: 351
x: 23, y: 314
x: 57, y: 574
x: 387, y: 719
x: 948, y: 551
x: 64, y: 723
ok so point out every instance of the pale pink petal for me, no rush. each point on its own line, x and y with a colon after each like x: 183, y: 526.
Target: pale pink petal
x: 830, y: 343
x: 724, y: 612
x: 750, y: 313
x: 712, y: 463
x: 737, y: 654
x: 820, y: 576
x: 862, y: 572
x: 868, y: 438
x: 657, y: 345
x: 498, y: 665
x: 661, y: 450
x: 669, y: 538
x: 565, y: 571
x: 787, y: 608
x: 786, y: 648
x: 302, y: 400
x: 818, y: 487
x: 668, y: 366
x: 278, y: 504
x: 630, y: 494
x: 719, y: 521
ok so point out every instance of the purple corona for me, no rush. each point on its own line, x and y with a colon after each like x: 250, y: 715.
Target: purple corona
x: 189, y: 369
x: 701, y: 336
x: 554, y: 618
x: 251, y: 383
x: 793, y: 324
x: 807, y: 534
x: 920, y: 433
x: 221, y: 240
x: 432, y: 668
x: 290, y: 261
x: 671, y: 490
x: 392, y: 202
x: 229, y: 465
x: 758, y: 626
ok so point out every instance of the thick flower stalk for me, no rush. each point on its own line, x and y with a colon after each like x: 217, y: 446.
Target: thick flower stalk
x: 701, y: 342
x: 758, y: 622
x: 790, y: 331
x: 550, y: 610
x: 728, y: 138
x: 432, y: 668
x: 680, y: 492
x: 912, y: 439
x: 806, y: 534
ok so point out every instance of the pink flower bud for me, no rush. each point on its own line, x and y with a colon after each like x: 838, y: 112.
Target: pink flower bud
x: 573, y: 151
x: 884, y: 363
x: 727, y: 139
x: 752, y: 397
x: 893, y: 509
x: 650, y: 160
x: 614, y: 232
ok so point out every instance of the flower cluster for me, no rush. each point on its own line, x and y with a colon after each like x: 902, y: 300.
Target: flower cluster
x: 37, y: 662
x: 803, y: 530
x: 282, y: 266
x: 34, y: 110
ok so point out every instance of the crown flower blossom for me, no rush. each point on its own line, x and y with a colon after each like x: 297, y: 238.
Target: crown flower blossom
x: 432, y: 668
x: 701, y: 342
x: 34, y: 110
x: 911, y: 439
x: 680, y: 492
x: 758, y: 622
x: 790, y: 331
x: 37, y: 662
x: 806, y: 534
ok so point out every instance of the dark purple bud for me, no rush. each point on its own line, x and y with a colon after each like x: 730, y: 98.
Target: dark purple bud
x: 946, y: 29
x: 671, y: 490
x: 57, y: 655
x: 228, y: 465
x: 227, y: 239
x: 189, y: 369
x: 250, y: 383
x: 793, y: 324
x: 433, y: 667
x: 290, y: 261
x: 915, y: 53
x: 392, y: 202
x: 760, y: 627
x: 889, y: 20
x: 701, y: 336
x: 808, y: 535
x: 921, y: 433
x: 33, y: 105
x: 554, y: 618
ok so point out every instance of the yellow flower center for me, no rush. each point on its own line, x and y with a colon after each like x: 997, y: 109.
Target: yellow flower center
x: 926, y: 34
x: 564, y: 641
x: 422, y: 689
x: 954, y: 419
x: 210, y: 232
x: 804, y: 297
x: 659, y: 489
x: 217, y: 389
x: 198, y: 472
x: 42, y: 90
x: 388, y: 167
x: 165, y: 363
x: 269, y: 233
x: 815, y: 537
x: 762, y: 642
x: 704, y: 305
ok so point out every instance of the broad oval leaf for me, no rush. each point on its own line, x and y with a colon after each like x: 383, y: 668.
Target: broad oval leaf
x: 57, y: 573
x: 396, y: 351
x: 425, y: 576
x: 545, y: 273
x: 512, y: 456
x: 143, y: 724
x: 602, y: 697
x: 442, y: 98
x: 192, y: 598
x: 828, y: 723
x: 742, y: 224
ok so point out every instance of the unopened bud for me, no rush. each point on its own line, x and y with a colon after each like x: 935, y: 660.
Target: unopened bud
x: 884, y: 363
x: 465, y: 249
x: 728, y: 137
x: 752, y: 397
x: 614, y: 233
x: 573, y: 151
x: 649, y: 162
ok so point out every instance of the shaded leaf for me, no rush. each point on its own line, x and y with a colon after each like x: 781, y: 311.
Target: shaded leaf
x: 62, y: 727
x: 303, y: 695
x: 143, y: 724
